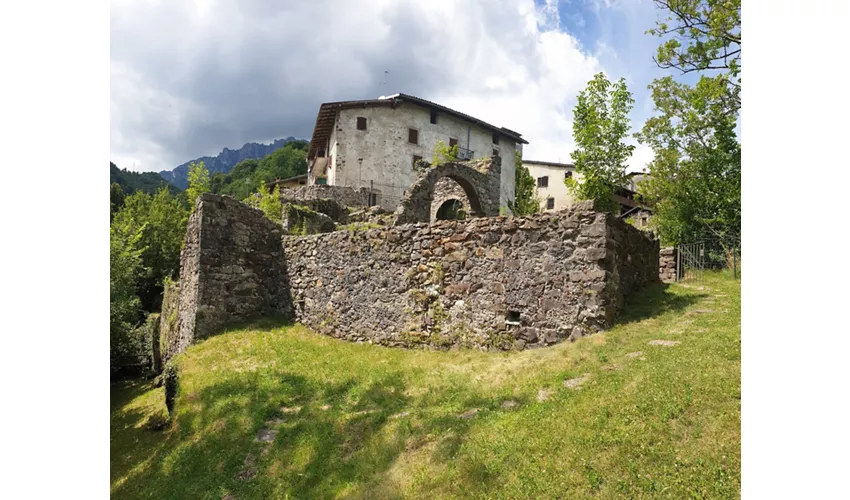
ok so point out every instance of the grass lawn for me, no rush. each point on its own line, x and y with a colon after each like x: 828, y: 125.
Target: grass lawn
x: 608, y: 416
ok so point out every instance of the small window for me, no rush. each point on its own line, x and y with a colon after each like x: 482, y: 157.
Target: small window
x: 361, y: 123
x: 452, y: 142
x: 550, y: 203
x: 373, y: 199
x: 568, y: 174
x: 513, y: 318
x: 543, y: 182
x: 413, y: 136
x: 495, y: 138
x: 495, y: 153
x: 321, y: 153
x: 415, y: 159
x: 433, y: 116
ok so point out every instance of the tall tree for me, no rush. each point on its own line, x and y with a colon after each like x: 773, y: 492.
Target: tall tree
x: 700, y: 36
x: 695, y: 177
x: 526, y: 201
x: 600, y: 123
x: 125, y: 263
x: 199, y: 183
x: 162, y: 219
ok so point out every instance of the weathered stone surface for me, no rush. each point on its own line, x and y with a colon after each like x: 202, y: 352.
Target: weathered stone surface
x: 667, y: 261
x: 480, y: 181
x: 470, y: 283
x: 266, y: 435
x: 665, y: 343
x: 303, y: 220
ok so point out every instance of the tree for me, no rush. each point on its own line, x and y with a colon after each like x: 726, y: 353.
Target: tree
x: 444, y: 154
x: 695, y: 178
x: 600, y: 123
x: 526, y: 200
x: 702, y: 35
x: 116, y: 197
x: 270, y: 203
x: 199, y: 182
x: 162, y: 220
x: 124, y: 305
x: 694, y: 184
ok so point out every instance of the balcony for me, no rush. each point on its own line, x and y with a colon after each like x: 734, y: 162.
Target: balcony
x: 464, y: 154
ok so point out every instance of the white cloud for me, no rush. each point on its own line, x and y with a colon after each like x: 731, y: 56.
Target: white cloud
x: 191, y: 78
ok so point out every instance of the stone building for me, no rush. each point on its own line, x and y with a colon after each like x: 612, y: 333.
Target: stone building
x: 375, y: 143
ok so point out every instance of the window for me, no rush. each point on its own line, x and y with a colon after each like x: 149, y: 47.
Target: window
x: 433, y: 116
x: 373, y: 199
x: 413, y: 136
x: 321, y: 153
x: 568, y: 174
x: 513, y: 318
x: 550, y: 203
x: 543, y: 182
x: 415, y: 159
x: 495, y: 138
x: 452, y: 142
x: 495, y: 152
x: 361, y: 123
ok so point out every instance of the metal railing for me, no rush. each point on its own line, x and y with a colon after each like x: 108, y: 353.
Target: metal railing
x: 713, y: 254
x: 464, y: 154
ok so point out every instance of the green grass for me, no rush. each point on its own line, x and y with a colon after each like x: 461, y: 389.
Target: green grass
x: 378, y: 422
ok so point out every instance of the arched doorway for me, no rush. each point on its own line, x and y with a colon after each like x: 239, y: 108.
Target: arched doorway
x: 451, y: 210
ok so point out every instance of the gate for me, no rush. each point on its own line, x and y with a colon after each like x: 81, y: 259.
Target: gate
x: 715, y: 254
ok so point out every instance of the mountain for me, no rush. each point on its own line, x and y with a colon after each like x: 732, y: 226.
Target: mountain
x: 130, y: 182
x: 224, y: 161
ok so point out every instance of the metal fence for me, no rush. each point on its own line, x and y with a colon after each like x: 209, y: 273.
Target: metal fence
x: 712, y: 254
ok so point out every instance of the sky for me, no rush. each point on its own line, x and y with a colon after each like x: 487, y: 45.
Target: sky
x: 191, y: 77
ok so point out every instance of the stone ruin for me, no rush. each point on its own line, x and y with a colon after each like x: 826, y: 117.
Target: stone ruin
x: 489, y: 282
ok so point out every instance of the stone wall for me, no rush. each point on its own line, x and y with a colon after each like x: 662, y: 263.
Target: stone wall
x: 488, y: 282
x: 667, y: 264
x: 168, y: 319
x: 232, y: 268
x: 302, y: 220
x: 346, y: 196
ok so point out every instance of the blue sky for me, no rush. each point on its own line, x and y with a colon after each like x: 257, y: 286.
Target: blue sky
x: 190, y: 77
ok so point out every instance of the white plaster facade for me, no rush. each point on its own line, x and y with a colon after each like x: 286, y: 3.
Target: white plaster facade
x: 555, y: 174
x: 382, y: 156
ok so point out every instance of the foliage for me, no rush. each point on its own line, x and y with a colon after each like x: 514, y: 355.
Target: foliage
x: 695, y: 178
x: 695, y: 181
x: 130, y: 182
x: 364, y: 421
x: 199, y: 183
x: 125, y: 264
x: 702, y: 35
x: 444, y: 154
x: 599, y: 126
x: 116, y: 198
x: 161, y: 220
x: 243, y: 179
x: 270, y: 203
x: 526, y: 201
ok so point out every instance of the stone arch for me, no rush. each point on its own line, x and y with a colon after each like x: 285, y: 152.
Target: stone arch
x: 479, y: 179
x: 446, y: 190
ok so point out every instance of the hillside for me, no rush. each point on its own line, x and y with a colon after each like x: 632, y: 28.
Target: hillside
x: 270, y: 411
x: 224, y: 161
x: 130, y: 182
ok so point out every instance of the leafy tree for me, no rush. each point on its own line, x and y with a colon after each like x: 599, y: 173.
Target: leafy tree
x: 600, y: 123
x: 162, y: 220
x: 131, y: 182
x: 116, y: 197
x: 526, y: 200
x: 702, y: 35
x: 270, y: 203
x: 289, y: 161
x: 199, y: 182
x: 125, y: 263
x: 444, y: 154
x: 695, y: 178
